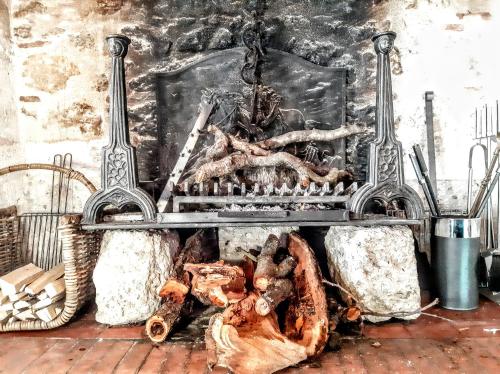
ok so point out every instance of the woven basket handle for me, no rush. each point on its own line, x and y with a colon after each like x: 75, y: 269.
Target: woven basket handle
x: 72, y: 174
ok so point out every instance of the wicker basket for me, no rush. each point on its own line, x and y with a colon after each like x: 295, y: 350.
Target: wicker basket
x: 78, y: 250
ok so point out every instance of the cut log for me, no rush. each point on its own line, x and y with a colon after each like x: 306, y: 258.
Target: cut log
x: 6, y: 307
x: 161, y: 323
x: 266, y: 270
x: 22, y: 304
x: 278, y: 291
x: 18, y: 296
x: 39, y: 284
x: 3, y: 298
x: 246, y: 343
x: 25, y: 315
x: 55, y: 288
x: 200, y: 247
x: 4, y: 316
x: 14, y: 281
x: 175, y: 289
x: 49, y: 313
x: 46, y: 302
x: 217, y: 284
x: 307, y: 319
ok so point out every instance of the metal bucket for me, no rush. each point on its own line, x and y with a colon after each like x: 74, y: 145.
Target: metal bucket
x: 454, y: 258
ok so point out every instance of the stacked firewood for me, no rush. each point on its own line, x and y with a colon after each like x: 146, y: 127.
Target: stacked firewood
x: 30, y: 293
x: 274, y: 314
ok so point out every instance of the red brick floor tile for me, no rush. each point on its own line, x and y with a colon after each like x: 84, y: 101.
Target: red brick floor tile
x: 349, y: 357
x: 60, y: 357
x: 393, y: 355
x: 436, y: 330
x: 17, y: 354
x: 197, y: 363
x: 433, y: 352
x: 91, y: 360
x: 330, y: 363
x: 114, y: 356
x: 123, y: 332
x: 373, y: 361
x: 155, y: 359
x: 134, y: 358
x: 386, y: 331
x: 414, y: 360
x: 177, y: 359
x: 485, y: 352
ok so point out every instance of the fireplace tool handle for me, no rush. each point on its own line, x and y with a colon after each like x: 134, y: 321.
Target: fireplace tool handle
x: 484, y: 183
x: 419, y: 157
x: 421, y: 180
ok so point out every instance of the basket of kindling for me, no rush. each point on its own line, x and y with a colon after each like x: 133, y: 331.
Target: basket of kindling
x: 46, y: 259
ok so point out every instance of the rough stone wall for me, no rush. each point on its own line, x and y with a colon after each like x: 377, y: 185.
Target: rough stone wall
x: 55, y: 55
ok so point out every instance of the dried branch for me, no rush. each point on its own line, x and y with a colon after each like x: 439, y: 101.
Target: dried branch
x: 393, y: 314
x: 340, y: 288
x: 236, y: 161
x: 315, y: 135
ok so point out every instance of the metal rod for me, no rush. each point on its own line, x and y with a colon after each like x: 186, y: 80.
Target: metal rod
x: 421, y: 180
x: 431, y: 149
x: 491, y: 187
x: 425, y: 173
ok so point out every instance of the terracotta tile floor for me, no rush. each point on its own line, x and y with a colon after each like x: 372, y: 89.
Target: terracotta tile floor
x: 469, y: 345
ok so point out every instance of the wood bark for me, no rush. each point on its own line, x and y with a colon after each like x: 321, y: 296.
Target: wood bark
x: 236, y: 161
x: 267, y: 270
x: 314, y: 135
x: 244, y: 341
x: 217, y: 284
x: 219, y: 160
x: 278, y: 291
x: 307, y: 319
x: 200, y: 247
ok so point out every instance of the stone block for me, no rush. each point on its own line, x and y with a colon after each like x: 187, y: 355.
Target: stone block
x: 131, y: 269
x: 377, y: 265
x: 246, y: 238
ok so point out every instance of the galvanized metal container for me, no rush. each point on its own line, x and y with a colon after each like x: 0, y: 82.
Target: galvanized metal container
x: 454, y: 256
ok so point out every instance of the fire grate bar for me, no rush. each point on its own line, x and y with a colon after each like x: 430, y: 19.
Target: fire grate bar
x: 245, y: 200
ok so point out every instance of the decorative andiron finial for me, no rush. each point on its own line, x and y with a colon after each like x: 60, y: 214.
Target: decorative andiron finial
x: 119, y: 177
x: 386, y: 183
x: 384, y: 41
x: 118, y: 45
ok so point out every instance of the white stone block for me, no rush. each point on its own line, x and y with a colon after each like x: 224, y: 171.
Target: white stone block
x: 131, y: 269
x: 246, y: 238
x: 377, y: 265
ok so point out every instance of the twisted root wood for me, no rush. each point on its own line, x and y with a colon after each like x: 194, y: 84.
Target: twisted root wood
x: 236, y: 161
x: 313, y: 135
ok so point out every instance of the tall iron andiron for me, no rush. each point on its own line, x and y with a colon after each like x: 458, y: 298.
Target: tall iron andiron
x: 119, y: 178
x: 385, y: 165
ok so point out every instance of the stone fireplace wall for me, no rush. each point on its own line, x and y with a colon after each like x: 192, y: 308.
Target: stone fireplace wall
x: 55, y: 66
